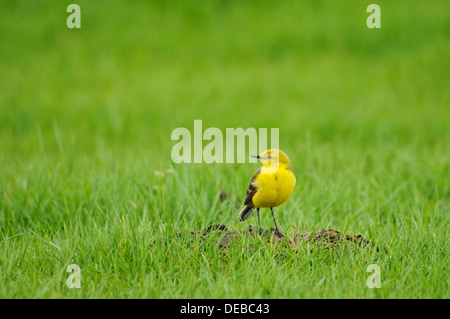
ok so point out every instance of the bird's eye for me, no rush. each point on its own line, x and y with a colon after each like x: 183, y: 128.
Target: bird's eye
x: 269, y: 157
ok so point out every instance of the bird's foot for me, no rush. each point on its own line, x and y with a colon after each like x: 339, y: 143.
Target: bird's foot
x: 260, y: 231
x: 278, y: 233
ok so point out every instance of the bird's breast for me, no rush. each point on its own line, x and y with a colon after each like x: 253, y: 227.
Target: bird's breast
x: 273, y: 188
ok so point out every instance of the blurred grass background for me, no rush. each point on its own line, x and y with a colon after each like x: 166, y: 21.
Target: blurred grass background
x: 86, y: 116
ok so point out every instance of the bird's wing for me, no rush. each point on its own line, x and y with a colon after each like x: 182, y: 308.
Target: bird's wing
x: 251, y: 190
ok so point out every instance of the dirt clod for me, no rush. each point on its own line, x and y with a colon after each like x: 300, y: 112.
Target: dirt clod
x: 328, y: 238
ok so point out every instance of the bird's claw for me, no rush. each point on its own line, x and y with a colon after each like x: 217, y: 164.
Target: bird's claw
x: 279, y: 233
x: 260, y: 231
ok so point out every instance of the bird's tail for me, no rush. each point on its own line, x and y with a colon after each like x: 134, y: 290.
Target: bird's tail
x: 245, y: 213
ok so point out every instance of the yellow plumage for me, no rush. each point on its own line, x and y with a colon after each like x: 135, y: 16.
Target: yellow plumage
x: 273, y: 189
x: 271, y: 185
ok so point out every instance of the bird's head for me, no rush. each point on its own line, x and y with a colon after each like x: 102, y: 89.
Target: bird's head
x: 274, y: 157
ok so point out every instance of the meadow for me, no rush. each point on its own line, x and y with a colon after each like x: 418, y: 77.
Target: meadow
x: 86, y: 175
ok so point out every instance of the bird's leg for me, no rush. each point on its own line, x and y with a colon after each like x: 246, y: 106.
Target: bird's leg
x: 259, y: 222
x: 277, y: 231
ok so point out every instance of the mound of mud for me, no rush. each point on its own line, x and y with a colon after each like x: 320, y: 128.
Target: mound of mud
x: 327, y: 238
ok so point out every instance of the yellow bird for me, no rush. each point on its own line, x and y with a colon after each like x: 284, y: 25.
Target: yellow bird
x: 271, y: 185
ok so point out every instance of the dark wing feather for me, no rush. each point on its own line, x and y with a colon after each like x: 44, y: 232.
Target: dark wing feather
x: 251, y: 191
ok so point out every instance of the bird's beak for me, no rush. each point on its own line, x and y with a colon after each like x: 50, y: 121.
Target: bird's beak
x: 258, y: 157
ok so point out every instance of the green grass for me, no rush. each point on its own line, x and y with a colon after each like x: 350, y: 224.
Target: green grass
x: 86, y: 175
